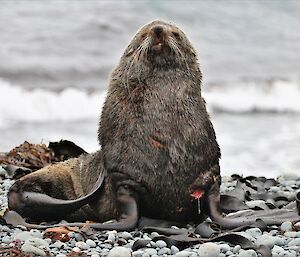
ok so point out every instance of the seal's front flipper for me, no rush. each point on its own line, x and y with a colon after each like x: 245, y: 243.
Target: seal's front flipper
x: 127, y: 210
x: 248, y: 217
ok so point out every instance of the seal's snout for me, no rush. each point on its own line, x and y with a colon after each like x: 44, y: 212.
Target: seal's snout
x: 158, y: 30
x: 158, y: 36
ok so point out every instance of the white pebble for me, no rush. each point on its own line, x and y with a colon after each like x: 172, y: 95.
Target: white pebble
x: 236, y: 249
x: 224, y: 248
x: 161, y: 244
x: 150, y: 251
x: 174, y: 249
x: 28, y: 248
x: 126, y: 235
x: 119, y: 251
x: 209, y: 250
x: 286, y: 226
x: 248, y: 253
x: 295, y: 241
x: 82, y: 245
x: 91, y: 243
x: 183, y: 254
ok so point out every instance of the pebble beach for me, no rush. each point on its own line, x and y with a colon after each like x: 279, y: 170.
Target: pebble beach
x: 283, y: 240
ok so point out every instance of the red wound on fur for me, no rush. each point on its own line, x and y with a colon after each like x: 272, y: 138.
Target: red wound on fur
x: 156, y: 143
x: 197, y: 194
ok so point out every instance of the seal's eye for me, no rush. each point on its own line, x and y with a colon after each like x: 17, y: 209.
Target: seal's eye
x: 143, y: 36
x: 176, y: 35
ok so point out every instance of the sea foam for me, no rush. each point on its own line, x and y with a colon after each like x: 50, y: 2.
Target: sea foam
x: 40, y: 105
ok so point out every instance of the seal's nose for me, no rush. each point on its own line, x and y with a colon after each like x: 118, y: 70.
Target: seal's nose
x: 158, y: 30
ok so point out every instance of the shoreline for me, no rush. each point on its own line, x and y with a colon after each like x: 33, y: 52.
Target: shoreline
x: 283, y: 240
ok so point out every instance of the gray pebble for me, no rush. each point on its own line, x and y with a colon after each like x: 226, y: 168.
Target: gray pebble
x: 286, y: 226
x: 71, y: 234
x: 236, y: 249
x: 163, y: 251
x: 126, y: 235
x: 155, y: 234
x: 150, y: 251
x: 61, y: 255
x: 57, y: 244
x: 138, y: 253
x: 209, y: 250
x: 91, y: 243
x: 183, y: 254
x: 6, y: 239
x: 146, y: 255
x: 274, y: 189
x: 76, y: 250
x: 174, y: 249
x: 291, y: 234
x: 295, y: 241
x: 248, y: 253
x: 95, y: 255
x: 28, y: 248
x: 161, y: 244
x: 254, y: 232
x: 224, y: 248
x: 277, y: 249
x: 78, y: 237
x: 267, y: 240
x: 82, y: 245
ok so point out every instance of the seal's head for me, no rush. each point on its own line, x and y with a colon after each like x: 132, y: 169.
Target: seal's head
x: 158, y: 46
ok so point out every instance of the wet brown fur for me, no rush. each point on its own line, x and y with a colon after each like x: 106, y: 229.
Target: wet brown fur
x: 155, y: 131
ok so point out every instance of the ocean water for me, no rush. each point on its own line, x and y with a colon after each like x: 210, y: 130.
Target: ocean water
x: 56, y: 56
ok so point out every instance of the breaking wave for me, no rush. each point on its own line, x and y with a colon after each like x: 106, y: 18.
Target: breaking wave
x: 40, y: 105
x: 278, y: 96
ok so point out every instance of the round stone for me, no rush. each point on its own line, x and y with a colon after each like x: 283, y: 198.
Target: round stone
x: 183, y: 254
x: 163, y: 251
x: 236, y: 249
x: 209, y: 250
x: 161, y: 244
x: 286, y: 226
x: 224, y: 248
x: 82, y: 245
x: 267, y: 240
x: 174, y: 249
x: 248, y: 253
x: 291, y: 234
x: 91, y: 243
x: 119, y: 251
x: 150, y: 251
x: 28, y: 248
x: 294, y: 242
x: 126, y: 235
x: 254, y: 232
x: 277, y: 249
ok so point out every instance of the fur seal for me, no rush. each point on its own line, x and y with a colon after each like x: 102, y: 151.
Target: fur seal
x: 158, y: 145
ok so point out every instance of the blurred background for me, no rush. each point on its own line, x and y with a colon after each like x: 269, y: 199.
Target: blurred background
x: 56, y: 56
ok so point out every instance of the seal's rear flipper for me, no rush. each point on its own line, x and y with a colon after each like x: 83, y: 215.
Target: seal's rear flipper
x: 248, y: 217
x: 128, y: 215
x: 36, y: 205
